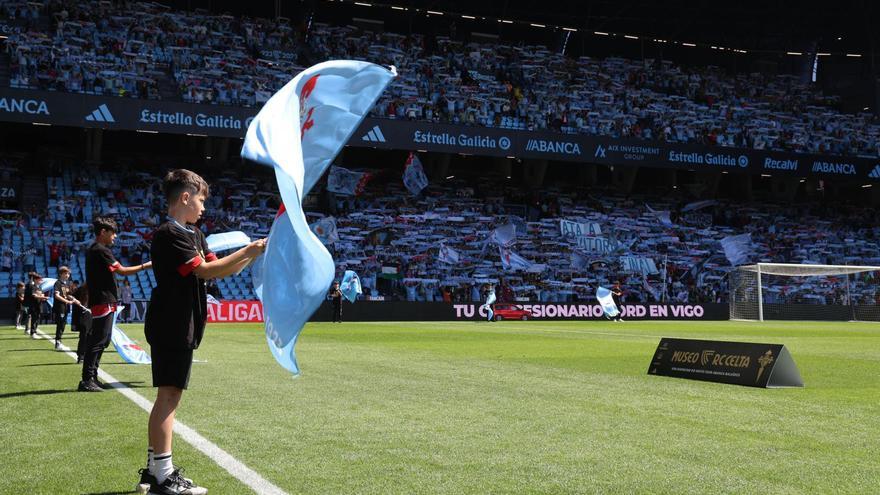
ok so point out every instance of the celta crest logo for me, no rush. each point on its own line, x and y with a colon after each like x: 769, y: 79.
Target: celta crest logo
x: 305, y: 117
x: 764, y: 361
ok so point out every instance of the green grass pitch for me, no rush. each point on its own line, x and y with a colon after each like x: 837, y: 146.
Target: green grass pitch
x: 472, y: 408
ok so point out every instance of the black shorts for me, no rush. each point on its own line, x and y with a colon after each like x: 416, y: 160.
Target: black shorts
x: 171, y: 367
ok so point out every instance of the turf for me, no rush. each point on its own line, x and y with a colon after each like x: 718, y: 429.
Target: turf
x: 514, y: 407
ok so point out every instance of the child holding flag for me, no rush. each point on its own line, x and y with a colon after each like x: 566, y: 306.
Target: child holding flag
x: 176, y: 318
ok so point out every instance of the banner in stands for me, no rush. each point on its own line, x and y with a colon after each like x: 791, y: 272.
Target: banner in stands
x: 9, y: 191
x: 108, y: 112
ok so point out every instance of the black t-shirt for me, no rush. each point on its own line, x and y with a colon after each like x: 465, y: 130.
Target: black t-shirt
x: 178, y: 307
x: 100, y: 265
x: 30, y: 291
x: 63, y: 288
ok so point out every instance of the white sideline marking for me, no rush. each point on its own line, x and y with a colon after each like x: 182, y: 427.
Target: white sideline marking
x: 233, y: 466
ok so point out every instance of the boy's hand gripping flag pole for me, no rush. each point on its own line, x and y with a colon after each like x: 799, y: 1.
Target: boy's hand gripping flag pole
x: 299, y: 132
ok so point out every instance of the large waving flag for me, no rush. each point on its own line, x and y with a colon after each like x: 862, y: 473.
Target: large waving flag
x: 350, y: 286
x: 603, y: 295
x: 414, y: 175
x: 129, y: 350
x: 448, y: 255
x: 299, y: 132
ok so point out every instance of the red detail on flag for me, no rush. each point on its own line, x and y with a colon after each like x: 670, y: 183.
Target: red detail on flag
x: 308, y: 87
x: 134, y: 347
x: 281, y: 211
x: 307, y: 124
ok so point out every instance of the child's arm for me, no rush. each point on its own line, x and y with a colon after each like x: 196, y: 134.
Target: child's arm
x: 224, y: 267
x: 131, y: 270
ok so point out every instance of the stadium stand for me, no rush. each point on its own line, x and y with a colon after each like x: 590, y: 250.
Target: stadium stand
x: 393, y: 239
x: 151, y: 52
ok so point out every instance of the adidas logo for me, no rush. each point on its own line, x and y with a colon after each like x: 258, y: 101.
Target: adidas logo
x: 875, y: 174
x: 101, y: 114
x: 374, y: 136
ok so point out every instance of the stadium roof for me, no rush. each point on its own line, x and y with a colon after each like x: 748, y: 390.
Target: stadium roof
x: 757, y: 26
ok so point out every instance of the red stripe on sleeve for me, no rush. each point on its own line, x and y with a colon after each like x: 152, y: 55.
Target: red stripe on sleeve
x: 188, y: 267
x: 114, y: 267
x: 211, y: 257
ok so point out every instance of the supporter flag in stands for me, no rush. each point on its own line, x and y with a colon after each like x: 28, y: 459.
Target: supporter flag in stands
x: 448, y: 255
x: 299, y: 132
x: 350, y: 286
x: 325, y: 229
x: 346, y: 182
x: 414, y: 175
x: 128, y: 350
x: 504, y: 235
x: 513, y: 261
x: 579, y: 261
x: 610, y: 309
x: 662, y: 215
x: 698, y: 205
x: 737, y: 248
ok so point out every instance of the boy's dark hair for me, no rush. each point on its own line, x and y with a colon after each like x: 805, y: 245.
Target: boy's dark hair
x: 63, y: 269
x: 181, y: 180
x: 19, y: 284
x: 104, y: 223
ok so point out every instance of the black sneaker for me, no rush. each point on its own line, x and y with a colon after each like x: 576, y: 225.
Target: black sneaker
x: 57, y: 345
x: 79, y: 360
x: 147, y: 480
x: 176, y: 484
x: 89, y: 386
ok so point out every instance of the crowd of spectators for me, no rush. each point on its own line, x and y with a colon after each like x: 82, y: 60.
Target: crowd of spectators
x: 393, y: 239
x: 129, y: 48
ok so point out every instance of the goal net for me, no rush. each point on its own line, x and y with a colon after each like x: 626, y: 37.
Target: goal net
x: 782, y: 291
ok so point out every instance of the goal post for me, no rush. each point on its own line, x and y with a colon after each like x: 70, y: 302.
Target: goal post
x: 789, y: 291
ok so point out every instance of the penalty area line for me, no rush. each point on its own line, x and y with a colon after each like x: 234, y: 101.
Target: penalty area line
x: 225, y: 460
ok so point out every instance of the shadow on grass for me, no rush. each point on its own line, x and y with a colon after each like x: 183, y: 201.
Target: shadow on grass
x: 110, y: 493
x: 41, y: 349
x: 110, y: 386
x: 29, y: 393
x: 71, y: 363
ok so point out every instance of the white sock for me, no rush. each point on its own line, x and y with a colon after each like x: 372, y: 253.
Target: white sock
x: 162, y: 467
x: 150, y: 458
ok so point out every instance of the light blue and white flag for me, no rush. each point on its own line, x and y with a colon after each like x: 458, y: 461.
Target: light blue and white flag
x: 504, y: 235
x: 350, y: 286
x: 227, y: 240
x: 346, y: 182
x: 737, y: 248
x: 414, y: 175
x: 513, y: 261
x: 128, y: 350
x: 603, y: 295
x: 299, y: 132
x: 662, y: 215
x: 325, y: 229
x: 448, y: 255
x: 48, y: 288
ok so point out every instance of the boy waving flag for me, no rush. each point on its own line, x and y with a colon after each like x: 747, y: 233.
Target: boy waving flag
x: 176, y: 318
x: 299, y: 132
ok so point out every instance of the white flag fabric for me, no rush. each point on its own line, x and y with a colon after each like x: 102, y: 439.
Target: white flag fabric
x: 299, y: 132
x: 414, y: 175
x: 603, y: 295
x: 350, y: 286
x: 227, y: 240
x: 737, y: 248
